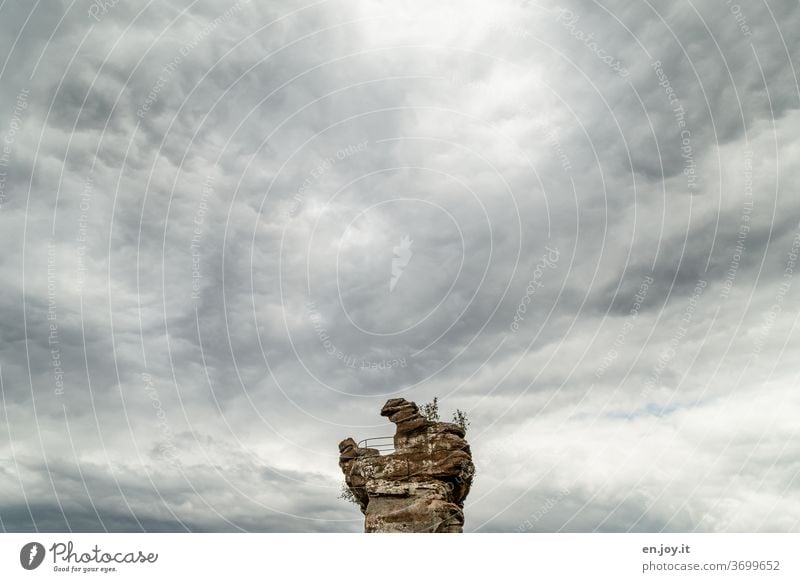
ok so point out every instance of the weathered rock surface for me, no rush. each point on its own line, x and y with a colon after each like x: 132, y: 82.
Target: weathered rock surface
x: 420, y: 487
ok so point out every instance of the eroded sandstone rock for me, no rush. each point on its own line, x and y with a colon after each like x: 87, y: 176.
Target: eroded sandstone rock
x: 422, y: 485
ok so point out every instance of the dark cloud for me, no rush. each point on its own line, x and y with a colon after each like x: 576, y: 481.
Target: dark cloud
x: 232, y: 230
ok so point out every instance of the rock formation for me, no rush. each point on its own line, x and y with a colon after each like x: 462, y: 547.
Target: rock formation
x: 422, y: 485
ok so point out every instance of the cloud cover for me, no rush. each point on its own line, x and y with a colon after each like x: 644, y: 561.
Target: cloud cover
x: 202, y: 202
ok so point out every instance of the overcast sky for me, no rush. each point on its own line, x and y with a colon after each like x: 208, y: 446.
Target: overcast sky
x: 231, y: 230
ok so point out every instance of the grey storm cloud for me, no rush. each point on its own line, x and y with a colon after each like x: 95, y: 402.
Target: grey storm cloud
x: 231, y: 231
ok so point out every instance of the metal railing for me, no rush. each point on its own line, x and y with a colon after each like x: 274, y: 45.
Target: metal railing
x: 384, y: 445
